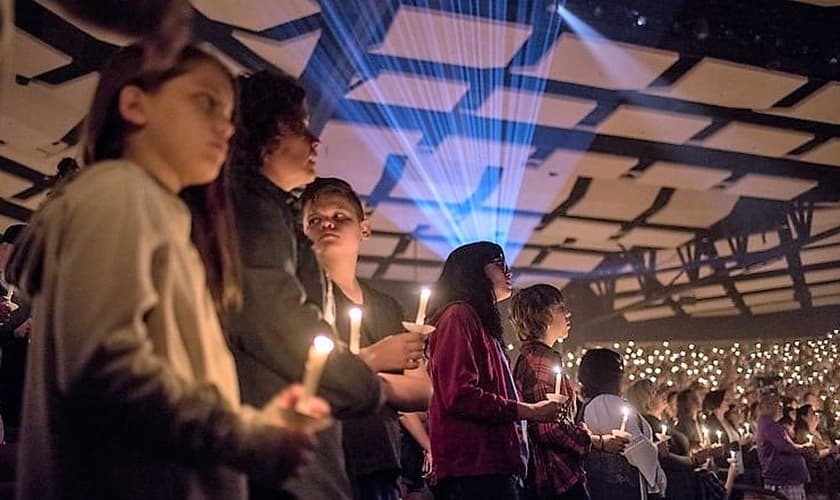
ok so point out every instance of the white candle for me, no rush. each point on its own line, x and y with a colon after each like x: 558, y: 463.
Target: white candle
x: 732, y: 454
x: 425, y: 293
x: 625, y: 413
x: 315, y: 361
x: 718, y: 433
x: 705, y: 436
x: 664, y: 430
x: 558, y: 379
x: 355, y: 329
x: 810, y: 439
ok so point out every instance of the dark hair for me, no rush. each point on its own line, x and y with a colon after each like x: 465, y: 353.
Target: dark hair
x: 213, y: 231
x: 685, y: 398
x: 326, y: 186
x: 11, y: 233
x: 600, y: 372
x: 105, y: 129
x: 713, y: 400
x: 271, y: 103
x: 463, y: 279
x: 530, y: 311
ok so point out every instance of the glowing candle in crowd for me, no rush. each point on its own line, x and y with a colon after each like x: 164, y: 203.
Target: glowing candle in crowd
x: 664, y: 429
x: 732, y: 454
x: 705, y: 435
x: 355, y: 329
x: 558, y: 379
x: 321, y: 348
x: 625, y: 412
x: 425, y: 293
x: 810, y: 439
x: 718, y: 433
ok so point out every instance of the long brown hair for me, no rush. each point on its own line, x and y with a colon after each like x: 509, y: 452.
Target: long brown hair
x: 105, y: 130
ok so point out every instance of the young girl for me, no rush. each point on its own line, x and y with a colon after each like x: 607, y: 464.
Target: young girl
x: 479, y: 447
x: 131, y: 391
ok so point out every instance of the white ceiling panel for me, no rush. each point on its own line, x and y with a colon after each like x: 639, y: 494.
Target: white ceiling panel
x: 571, y: 261
x: 620, y: 199
x: 819, y: 255
x: 290, y: 55
x: 649, y: 313
x: 753, y: 285
x: 656, y: 238
x: 601, y: 63
x: 564, y: 227
x: 379, y: 245
x: 651, y: 125
x: 31, y: 57
x: 521, y: 280
x: 588, y: 164
x: 678, y: 175
x: 402, y: 217
x: 753, y: 299
x: 432, y: 35
x: 416, y: 274
x: 825, y: 289
x: 770, y: 186
x: 775, y: 307
x: 828, y: 300
x: 828, y: 153
x: 528, y: 107
x: 400, y: 89
x: 256, y: 15
x: 724, y: 83
x: 708, y: 305
x: 362, y: 150
x: 10, y: 185
x: 525, y: 257
x: 707, y: 291
x: 756, y: 139
x: 812, y: 277
x: 819, y: 106
x: 694, y: 208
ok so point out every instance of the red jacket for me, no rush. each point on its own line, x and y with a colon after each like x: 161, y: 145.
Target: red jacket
x: 472, y: 415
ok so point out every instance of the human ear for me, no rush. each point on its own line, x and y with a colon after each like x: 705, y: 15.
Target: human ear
x: 133, y: 106
x: 366, y: 231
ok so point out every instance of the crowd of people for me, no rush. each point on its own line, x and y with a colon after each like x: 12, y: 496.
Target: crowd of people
x: 176, y: 285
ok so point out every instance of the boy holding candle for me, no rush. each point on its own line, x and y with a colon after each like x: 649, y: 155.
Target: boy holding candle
x: 285, y: 300
x: 541, y: 318
x: 333, y: 218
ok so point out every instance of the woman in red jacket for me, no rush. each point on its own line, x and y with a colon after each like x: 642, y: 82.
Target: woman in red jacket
x: 478, y: 440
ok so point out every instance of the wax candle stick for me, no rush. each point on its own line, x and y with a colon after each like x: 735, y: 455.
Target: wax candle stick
x: 718, y: 433
x: 355, y: 329
x: 810, y: 439
x: 625, y: 413
x: 558, y: 379
x: 315, y: 361
x: 706, y: 441
x: 425, y: 293
x: 664, y: 429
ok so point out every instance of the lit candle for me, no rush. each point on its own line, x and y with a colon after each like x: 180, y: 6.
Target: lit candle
x: 355, y: 329
x: 625, y: 413
x: 315, y: 361
x: 732, y: 454
x: 810, y: 439
x: 664, y: 430
x: 705, y: 435
x: 425, y: 293
x: 558, y: 379
x: 718, y: 433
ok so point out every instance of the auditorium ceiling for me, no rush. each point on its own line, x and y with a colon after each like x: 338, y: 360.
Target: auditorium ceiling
x: 660, y: 162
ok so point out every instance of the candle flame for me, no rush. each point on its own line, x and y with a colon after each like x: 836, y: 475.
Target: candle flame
x: 323, y: 344
x: 355, y: 313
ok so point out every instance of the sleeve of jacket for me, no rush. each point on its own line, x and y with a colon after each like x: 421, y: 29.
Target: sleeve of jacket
x: 105, y: 363
x: 455, y: 370
x: 275, y: 326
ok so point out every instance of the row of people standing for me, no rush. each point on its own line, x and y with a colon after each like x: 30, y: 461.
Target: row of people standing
x: 134, y: 388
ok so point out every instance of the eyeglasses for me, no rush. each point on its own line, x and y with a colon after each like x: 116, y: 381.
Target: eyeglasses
x: 500, y: 262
